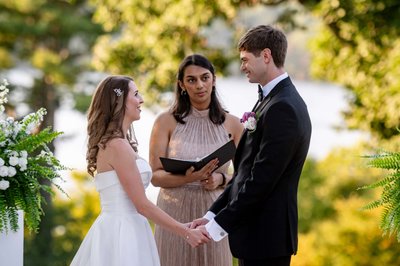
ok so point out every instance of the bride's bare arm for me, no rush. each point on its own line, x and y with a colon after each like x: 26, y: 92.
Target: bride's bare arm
x: 123, y: 160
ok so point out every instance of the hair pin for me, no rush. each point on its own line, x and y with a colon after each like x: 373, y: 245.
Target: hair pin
x: 118, y: 92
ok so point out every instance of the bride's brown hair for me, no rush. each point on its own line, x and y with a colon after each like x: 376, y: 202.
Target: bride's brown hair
x: 105, y: 117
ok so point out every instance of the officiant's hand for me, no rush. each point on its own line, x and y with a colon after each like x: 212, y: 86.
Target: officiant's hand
x: 198, y: 222
x: 197, y: 237
x: 203, y: 173
x: 212, y: 182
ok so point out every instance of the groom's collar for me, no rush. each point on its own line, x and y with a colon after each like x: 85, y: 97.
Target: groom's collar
x: 283, y: 82
x: 270, y: 85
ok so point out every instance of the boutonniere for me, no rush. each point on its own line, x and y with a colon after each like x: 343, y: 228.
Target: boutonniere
x: 249, y: 121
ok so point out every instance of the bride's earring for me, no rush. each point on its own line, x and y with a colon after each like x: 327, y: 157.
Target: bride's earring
x: 183, y: 92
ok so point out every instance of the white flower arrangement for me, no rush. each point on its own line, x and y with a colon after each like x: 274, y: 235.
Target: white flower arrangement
x: 25, y: 162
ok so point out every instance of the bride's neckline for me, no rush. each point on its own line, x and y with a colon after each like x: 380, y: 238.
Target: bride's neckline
x: 101, y: 173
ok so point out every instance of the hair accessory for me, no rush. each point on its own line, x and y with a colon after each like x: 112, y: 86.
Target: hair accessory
x: 118, y: 92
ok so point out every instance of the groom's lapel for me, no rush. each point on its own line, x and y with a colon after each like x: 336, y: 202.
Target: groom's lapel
x: 274, y: 92
x: 257, y: 108
x: 263, y: 104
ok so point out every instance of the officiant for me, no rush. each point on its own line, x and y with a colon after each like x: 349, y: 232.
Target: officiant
x: 194, y: 126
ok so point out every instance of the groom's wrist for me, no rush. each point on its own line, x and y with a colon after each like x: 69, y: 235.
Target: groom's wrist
x: 209, y: 215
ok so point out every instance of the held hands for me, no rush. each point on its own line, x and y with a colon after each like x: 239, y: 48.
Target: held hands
x: 196, y: 237
x: 198, y: 222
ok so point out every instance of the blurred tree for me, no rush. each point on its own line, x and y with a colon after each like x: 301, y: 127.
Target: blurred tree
x: 53, y: 37
x: 333, y: 228
x: 358, y: 47
x: 147, y: 39
x: 351, y: 238
x: 334, y: 178
x: 312, y: 206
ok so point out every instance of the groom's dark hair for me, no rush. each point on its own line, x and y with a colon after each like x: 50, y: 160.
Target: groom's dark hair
x: 265, y: 36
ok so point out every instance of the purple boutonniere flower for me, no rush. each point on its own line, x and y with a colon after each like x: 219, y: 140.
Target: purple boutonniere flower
x: 249, y: 121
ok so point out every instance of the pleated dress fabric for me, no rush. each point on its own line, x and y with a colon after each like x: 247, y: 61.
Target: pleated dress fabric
x: 195, y: 139
x: 120, y: 236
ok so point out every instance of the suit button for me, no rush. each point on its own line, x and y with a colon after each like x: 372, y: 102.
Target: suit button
x: 222, y: 234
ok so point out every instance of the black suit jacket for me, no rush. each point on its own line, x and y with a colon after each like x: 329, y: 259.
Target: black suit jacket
x: 258, y: 208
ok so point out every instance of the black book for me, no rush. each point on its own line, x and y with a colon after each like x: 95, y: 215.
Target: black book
x: 176, y: 166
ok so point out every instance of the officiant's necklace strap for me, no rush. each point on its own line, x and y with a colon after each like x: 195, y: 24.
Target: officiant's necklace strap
x: 118, y: 92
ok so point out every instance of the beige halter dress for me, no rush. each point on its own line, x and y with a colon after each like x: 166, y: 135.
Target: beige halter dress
x: 194, y: 139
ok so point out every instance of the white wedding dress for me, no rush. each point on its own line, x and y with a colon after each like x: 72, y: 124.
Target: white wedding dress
x: 120, y: 236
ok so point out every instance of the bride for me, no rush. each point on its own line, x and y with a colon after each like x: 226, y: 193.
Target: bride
x: 121, y: 234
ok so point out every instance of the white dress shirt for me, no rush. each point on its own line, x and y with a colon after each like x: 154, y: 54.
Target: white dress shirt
x: 270, y: 85
x: 213, y: 228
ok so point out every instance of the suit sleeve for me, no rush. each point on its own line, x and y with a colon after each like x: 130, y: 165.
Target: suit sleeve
x: 222, y: 200
x: 279, y: 125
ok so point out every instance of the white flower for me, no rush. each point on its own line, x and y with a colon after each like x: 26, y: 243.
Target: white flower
x: 17, y: 128
x: 30, y: 127
x: 4, y: 184
x: 24, y: 154
x: 22, y: 161
x: 3, y: 170
x: 13, y: 160
x: 1, y: 162
x: 11, y: 171
x: 13, y: 153
x: 23, y: 167
x: 7, y: 132
x: 251, y: 123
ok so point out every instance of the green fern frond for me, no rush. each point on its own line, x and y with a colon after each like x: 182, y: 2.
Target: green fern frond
x: 372, y: 205
x: 390, y: 196
x: 381, y: 183
x: 33, y: 209
x: 386, y: 161
x: 35, y: 141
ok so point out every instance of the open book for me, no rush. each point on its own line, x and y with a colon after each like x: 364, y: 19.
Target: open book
x: 177, y: 166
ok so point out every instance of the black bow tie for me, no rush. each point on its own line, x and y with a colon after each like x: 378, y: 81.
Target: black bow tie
x: 260, y: 93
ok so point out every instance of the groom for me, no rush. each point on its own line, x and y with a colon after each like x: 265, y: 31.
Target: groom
x: 258, y: 209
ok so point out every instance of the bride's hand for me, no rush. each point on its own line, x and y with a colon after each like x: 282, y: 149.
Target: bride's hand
x: 196, y: 237
x: 198, y: 222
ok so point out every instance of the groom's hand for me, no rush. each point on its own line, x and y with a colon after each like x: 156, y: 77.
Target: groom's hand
x: 203, y: 229
x: 197, y: 237
x: 198, y: 222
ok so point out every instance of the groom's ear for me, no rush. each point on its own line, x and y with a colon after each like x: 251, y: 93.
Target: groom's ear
x: 267, y: 56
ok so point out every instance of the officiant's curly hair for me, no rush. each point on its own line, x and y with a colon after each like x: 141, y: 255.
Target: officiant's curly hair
x: 105, y: 117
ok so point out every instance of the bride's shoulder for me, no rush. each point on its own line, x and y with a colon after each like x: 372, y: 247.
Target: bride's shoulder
x: 118, y: 145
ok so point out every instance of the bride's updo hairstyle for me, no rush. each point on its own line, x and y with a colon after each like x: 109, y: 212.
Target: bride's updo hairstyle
x: 105, y: 117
